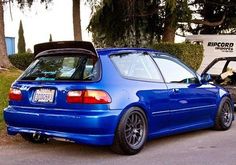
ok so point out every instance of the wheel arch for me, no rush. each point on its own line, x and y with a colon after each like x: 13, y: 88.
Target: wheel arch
x: 219, y: 121
x: 222, y: 94
x: 141, y: 106
x: 119, y: 144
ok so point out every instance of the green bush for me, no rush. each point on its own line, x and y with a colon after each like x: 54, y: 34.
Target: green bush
x: 21, y: 61
x: 191, y: 54
x: 6, y: 79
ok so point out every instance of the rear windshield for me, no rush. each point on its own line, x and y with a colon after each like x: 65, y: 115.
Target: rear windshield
x: 63, y: 67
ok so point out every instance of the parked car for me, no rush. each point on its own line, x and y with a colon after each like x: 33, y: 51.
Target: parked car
x: 222, y: 72
x: 118, y: 96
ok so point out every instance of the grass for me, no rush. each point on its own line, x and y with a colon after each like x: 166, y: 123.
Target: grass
x: 6, y: 79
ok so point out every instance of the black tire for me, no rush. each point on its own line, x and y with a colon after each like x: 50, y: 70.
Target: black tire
x: 131, y: 133
x: 224, y: 116
x: 35, y: 138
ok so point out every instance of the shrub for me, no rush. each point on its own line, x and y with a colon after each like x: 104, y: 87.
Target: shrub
x: 191, y: 54
x: 21, y: 61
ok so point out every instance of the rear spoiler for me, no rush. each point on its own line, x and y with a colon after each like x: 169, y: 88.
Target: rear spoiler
x: 38, y: 48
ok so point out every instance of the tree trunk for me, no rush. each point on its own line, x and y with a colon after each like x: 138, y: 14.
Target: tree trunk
x: 169, y: 27
x: 169, y: 34
x: 4, y: 61
x: 76, y: 20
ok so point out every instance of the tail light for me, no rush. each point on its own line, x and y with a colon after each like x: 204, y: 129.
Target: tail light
x: 75, y: 97
x: 88, y: 97
x: 15, y: 94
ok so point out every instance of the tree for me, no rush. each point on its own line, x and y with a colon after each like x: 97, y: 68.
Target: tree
x: 29, y: 50
x: 127, y: 23
x: 21, y: 39
x: 170, y: 23
x: 138, y: 23
x: 4, y: 62
x: 218, y: 17
x: 50, y: 38
x: 77, y: 17
x: 76, y: 20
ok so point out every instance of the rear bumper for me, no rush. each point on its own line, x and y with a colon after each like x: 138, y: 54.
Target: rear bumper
x: 96, y: 127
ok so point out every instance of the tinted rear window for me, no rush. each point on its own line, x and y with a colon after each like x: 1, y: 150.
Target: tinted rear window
x: 63, y: 67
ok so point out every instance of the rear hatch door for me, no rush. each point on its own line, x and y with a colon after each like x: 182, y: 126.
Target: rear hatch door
x: 55, y: 72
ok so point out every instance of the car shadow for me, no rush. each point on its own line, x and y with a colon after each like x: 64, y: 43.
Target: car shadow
x: 73, y: 149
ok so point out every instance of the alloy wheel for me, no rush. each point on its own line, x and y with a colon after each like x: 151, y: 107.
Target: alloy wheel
x: 135, y: 129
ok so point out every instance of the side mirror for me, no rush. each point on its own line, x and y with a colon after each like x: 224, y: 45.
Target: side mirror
x: 205, y: 78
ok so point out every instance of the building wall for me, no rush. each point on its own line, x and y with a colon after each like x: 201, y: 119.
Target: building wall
x: 10, y: 41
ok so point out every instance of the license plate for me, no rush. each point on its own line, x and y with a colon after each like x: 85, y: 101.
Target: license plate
x: 44, y: 96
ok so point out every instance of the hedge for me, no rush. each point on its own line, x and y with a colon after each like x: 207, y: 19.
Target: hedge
x: 21, y: 61
x: 190, y: 54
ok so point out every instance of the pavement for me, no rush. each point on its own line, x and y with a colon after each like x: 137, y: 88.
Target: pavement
x: 204, y: 147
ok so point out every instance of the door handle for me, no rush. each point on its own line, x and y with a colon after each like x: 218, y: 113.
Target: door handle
x: 175, y: 90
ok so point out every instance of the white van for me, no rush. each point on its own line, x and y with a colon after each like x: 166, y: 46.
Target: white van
x: 215, y: 46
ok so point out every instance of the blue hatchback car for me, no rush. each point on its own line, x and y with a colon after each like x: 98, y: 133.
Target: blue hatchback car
x: 119, y: 97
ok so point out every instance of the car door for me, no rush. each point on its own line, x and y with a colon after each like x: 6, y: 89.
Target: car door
x: 223, y: 73
x: 191, y: 103
x: 230, y: 81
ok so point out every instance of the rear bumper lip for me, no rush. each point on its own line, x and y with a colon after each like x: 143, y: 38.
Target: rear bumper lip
x: 95, y: 127
x: 102, y: 140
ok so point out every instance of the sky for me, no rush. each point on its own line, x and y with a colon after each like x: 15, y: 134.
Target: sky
x: 39, y: 23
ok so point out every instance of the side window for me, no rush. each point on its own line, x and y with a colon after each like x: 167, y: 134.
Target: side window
x: 136, y: 66
x: 174, y: 72
x: 231, y: 66
x: 217, y: 68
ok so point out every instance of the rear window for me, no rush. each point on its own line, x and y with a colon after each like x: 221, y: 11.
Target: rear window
x: 63, y: 67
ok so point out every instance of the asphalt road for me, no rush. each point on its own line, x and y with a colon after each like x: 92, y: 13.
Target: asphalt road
x: 205, y: 147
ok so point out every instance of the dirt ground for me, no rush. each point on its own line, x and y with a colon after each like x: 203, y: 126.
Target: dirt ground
x: 7, y: 140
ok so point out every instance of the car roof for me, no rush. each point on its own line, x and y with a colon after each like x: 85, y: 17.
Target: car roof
x: 225, y: 58
x: 108, y: 51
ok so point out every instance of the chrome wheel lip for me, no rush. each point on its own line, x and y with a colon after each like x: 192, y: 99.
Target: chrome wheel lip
x: 135, y: 130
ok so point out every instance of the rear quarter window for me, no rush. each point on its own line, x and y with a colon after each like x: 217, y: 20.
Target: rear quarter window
x: 63, y: 67
x: 136, y: 66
